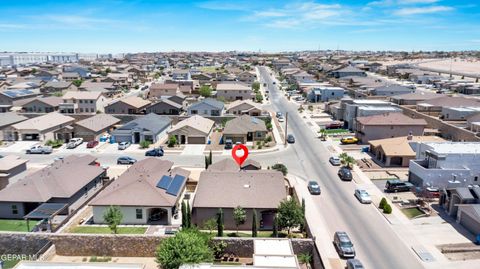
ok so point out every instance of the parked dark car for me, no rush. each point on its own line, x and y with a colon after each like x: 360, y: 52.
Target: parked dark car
x: 290, y: 139
x: 343, y: 245
x: 314, y: 188
x: 334, y: 125
x: 156, y: 152
x: 92, y: 144
x: 396, y: 185
x: 126, y: 160
x: 345, y: 174
x: 354, y: 264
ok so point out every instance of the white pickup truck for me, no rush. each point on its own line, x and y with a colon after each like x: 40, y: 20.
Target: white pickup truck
x: 40, y: 149
x: 74, y: 142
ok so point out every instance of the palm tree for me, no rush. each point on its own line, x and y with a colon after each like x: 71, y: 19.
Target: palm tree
x: 347, y: 160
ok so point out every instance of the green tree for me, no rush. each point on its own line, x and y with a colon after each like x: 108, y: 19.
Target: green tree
x: 383, y: 202
x: 346, y: 160
x: 240, y: 216
x: 275, y: 226
x: 184, y: 215
x: 280, y: 167
x: 172, y: 141
x: 145, y: 144
x: 387, y: 209
x: 34, y: 70
x: 256, y: 86
x: 302, y: 226
x: 220, y: 223
x: 205, y: 91
x: 108, y: 70
x: 289, y: 215
x: 258, y: 97
x: 187, y: 247
x: 77, y: 82
x: 210, y: 225
x: 113, y: 217
x: 254, y: 224
x: 189, y: 216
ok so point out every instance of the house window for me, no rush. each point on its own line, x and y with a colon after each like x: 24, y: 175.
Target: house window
x: 14, y: 210
x: 259, y: 134
x: 92, y: 109
x: 81, y: 110
x: 91, y: 101
x: 139, y: 213
x: 80, y: 101
x: 205, y: 112
x: 476, y: 178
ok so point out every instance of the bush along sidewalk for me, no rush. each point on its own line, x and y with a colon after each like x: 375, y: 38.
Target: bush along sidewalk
x: 387, y: 209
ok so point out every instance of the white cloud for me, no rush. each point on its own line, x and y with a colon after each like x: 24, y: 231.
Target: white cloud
x: 386, y: 3
x: 271, y: 13
x: 421, y: 10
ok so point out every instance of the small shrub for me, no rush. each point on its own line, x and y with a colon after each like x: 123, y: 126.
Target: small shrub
x: 145, y: 144
x: 172, y: 141
x: 305, y: 258
x: 280, y: 167
x: 387, y: 209
x: 383, y: 202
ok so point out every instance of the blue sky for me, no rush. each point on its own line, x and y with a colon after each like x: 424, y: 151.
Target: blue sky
x: 276, y: 25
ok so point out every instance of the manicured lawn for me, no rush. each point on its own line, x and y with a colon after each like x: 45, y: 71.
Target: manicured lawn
x: 412, y: 212
x: 260, y: 234
x: 12, y: 225
x: 336, y: 131
x: 106, y: 230
x: 10, y: 263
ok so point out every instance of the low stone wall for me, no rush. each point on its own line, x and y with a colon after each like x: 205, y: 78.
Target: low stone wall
x: 22, y: 243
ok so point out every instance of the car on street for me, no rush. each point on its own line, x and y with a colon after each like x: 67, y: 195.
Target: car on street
x: 74, y: 142
x: 349, y: 140
x: 123, y: 145
x: 92, y: 144
x: 395, y: 185
x: 279, y: 114
x: 363, y: 196
x: 334, y: 125
x: 354, y: 264
x: 156, y: 152
x: 281, y: 119
x: 126, y: 160
x: 40, y: 149
x: 343, y: 245
x: 345, y: 174
x: 314, y: 188
x: 334, y: 160
x: 290, y: 139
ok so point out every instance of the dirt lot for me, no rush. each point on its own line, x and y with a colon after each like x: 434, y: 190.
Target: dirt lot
x: 460, y: 252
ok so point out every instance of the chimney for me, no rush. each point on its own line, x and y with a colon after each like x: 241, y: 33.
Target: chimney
x: 410, y: 136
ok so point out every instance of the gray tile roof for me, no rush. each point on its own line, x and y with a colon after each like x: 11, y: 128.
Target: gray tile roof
x: 211, y: 102
x: 151, y: 122
x: 10, y: 118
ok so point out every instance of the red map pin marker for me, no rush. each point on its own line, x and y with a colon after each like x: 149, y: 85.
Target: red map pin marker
x: 240, y: 159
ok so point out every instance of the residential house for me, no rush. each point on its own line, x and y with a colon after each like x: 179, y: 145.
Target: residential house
x: 181, y: 75
x: 10, y: 166
x: 244, y: 107
x: 434, y: 106
x: 411, y: 99
x: 453, y: 198
x: 150, y: 127
x: 391, y: 90
x: 71, y: 76
x: 473, y: 123
x: 357, y: 108
x: 165, y: 107
x: 388, y: 125
x: 446, y: 165
x: 247, y: 77
x: 46, y: 127
x: 93, y: 127
x: 398, y: 151
x: 120, y: 80
x: 206, y: 107
x: 42, y: 105
x: 193, y: 130
x: 8, y: 98
x: 128, y: 105
x: 325, y: 94
x: 158, y: 90
x: 6, y: 120
x: 75, y: 102
x: 247, y: 189
x: 72, y: 181
x: 231, y: 91
x: 149, y: 192
x: 347, y: 71
x: 57, y: 87
x: 458, y: 113
x: 245, y: 129
x: 469, y: 216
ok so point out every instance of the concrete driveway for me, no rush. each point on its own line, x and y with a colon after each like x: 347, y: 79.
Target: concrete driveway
x: 19, y: 146
x: 193, y: 149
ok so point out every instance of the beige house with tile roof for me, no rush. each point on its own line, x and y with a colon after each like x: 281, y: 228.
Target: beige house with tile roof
x: 193, y: 130
x: 232, y: 91
x: 93, y: 127
x: 128, y: 105
x: 244, y: 107
x: 245, y: 129
x: 49, y: 126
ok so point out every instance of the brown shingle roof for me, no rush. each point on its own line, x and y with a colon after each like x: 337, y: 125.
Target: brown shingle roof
x: 197, y: 122
x: 98, y: 122
x: 390, y: 119
x: 244, y: 124
x: 44, y: 122
x: 225, y: 165
x: 449, y: 101
x: 137, y: 186
x: 399, y: 146
x: 248, y: 189
x: 62, y: 179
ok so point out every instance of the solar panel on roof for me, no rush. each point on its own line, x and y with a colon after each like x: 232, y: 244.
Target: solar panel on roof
x: 164, y: 182
x: 176, y: 184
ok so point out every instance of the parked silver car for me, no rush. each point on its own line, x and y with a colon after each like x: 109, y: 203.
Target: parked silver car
x: 363, y: 196
x: 123, y: 145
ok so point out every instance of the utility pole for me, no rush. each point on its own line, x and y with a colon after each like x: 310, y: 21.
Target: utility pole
x: 286, y: 127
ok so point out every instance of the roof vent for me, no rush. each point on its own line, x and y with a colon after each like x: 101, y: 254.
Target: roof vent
x: 246, y: 186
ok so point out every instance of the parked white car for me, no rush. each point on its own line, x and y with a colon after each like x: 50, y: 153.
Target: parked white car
x: 40, y: 149
x: 123, y: 145
x: 74, y: 142
x: 363, y: 196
